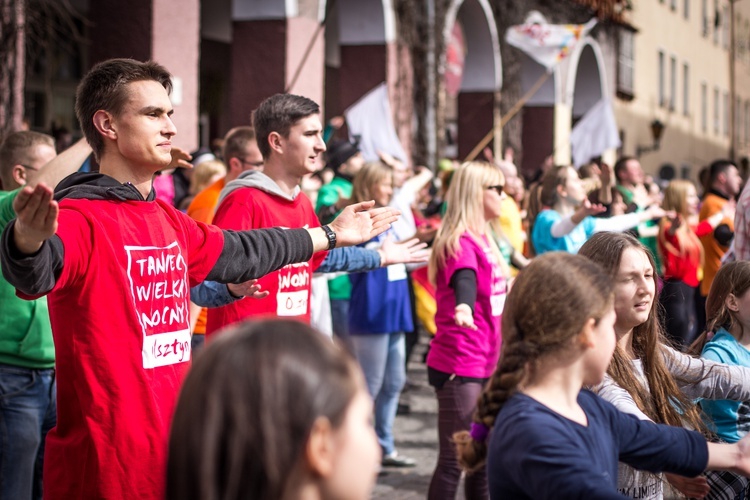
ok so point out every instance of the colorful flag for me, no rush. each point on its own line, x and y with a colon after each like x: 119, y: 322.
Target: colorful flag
x: 548, y: 44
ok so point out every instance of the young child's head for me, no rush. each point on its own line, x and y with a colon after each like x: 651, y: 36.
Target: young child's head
x: 267, y: 410
x: 682, y: 197
x: 556, y: 305
x: 374, y: 181
x: 728, y: 302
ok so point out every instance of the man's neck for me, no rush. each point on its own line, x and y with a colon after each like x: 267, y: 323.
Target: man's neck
x: 720, y: 190
x: 123, y: 172
x: 287, y: 182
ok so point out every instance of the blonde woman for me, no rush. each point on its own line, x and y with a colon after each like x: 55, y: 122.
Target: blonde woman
x: 681, y: 255
x: 470, y: 277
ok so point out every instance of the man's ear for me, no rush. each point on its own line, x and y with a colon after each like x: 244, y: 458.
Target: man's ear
x: 319, y: 450
x: 19, y: 175
x: 276, y: 142
x: 104, y: 123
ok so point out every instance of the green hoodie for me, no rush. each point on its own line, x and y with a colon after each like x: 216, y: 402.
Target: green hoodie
x: 25, y: 332
x: 339, y: 288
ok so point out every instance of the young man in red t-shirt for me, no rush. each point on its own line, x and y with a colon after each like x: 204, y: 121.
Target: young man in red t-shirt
x: 116, y: 265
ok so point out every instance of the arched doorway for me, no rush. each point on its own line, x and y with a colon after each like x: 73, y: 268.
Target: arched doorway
x: 470, y: 106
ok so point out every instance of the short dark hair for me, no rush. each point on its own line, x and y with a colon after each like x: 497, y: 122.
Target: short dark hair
x: 235, y: 142
x: 277, y: 114
x: 718, y: 167
x: 104, y: 88
x: 621, y: 165
x: 16, y: 149
x: 248, y: 405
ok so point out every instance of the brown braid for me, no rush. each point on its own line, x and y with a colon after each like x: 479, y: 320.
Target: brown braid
x: 549, y: 304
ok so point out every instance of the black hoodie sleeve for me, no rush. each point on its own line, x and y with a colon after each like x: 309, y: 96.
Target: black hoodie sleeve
x: 34, y: 274
x: 252, y: 254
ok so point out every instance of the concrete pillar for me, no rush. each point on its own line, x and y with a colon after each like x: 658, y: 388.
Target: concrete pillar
x: 265, y: 54
x: 166, y: 31
x: 562, y: 129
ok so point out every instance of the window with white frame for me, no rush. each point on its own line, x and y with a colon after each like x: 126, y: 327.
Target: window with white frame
x: 725, y: 27
x: 685, y: 89
x: 704, y: 107
x: 662, y: 97
x: 726, y: 114
x: 717, y: 22
x: 625, y: 64
x: 704, y: 18
x: 672, y: 83
x: 717, y: 111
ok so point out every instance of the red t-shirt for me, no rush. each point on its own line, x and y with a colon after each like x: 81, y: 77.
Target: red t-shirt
x: 683, y: 267
x: 119, y: 314
x: 289, y: 288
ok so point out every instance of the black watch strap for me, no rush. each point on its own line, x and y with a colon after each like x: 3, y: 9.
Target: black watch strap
x: 331, y: 237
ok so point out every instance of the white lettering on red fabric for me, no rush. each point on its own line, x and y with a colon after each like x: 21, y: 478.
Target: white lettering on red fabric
x: 159, y: 288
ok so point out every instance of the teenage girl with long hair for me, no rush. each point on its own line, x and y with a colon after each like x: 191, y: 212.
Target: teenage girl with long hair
x: 272, y: 410
x: 566, y: 220
x: 647, y: 378
x: 470, y: 281
x: 549, y: 437
x: 681, y: 254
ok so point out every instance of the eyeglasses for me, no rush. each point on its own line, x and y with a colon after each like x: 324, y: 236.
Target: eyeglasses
x: 498, y: 188
x: 254, y: 164
x: 28, y: 167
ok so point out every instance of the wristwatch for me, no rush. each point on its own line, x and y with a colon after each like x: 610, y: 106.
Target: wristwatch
x: 331, y: 237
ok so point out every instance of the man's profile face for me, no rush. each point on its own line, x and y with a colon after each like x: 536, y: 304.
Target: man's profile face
x: 144, y: 127
x: 634, y: 172
x: 303, y: 146
x: 40, y: 155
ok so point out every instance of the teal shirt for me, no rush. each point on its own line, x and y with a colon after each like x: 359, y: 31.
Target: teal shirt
x: 339, y: 288
x: 729, y: 419
x: 25, y: 332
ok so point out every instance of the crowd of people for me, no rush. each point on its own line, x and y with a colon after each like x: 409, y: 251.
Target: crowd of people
x: 578, y: 319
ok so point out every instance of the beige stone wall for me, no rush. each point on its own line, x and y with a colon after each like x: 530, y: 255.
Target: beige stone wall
x: 660, y: 28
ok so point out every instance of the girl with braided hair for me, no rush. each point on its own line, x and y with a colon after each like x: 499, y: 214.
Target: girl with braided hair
x: 470, y: 283
x: 550, y: 437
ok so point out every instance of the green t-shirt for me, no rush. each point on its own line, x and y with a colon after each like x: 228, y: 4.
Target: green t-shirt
x: 339, y: 288
x: 25, y: 332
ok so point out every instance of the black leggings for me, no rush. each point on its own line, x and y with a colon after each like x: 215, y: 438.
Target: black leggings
x: 677, y: 300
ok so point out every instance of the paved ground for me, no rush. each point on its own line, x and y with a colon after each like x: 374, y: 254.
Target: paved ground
x: 416, y: 437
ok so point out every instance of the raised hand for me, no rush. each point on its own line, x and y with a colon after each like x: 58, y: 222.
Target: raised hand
x: 606, y: 175
x: 36, y: 218
x: 407, y: 252
x: 180, y: 158
x: 587, y: 208
x: 249, y: 288
x: 360, y: 223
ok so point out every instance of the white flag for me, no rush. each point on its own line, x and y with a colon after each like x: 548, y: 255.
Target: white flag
x: 594, y: 133
x: 548, y: 44
x: 371, y: 121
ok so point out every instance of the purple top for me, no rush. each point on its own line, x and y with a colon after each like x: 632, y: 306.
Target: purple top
x: 458, y: 350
